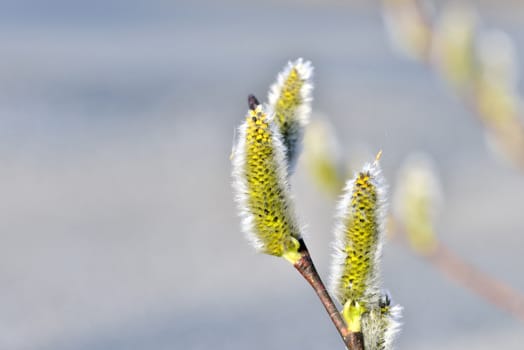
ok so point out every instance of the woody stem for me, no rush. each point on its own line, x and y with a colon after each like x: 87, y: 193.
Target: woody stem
x: 352, y: 340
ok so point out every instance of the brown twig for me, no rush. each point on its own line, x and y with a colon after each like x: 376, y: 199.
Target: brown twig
x: 353, y: 340
x: 496, y: 292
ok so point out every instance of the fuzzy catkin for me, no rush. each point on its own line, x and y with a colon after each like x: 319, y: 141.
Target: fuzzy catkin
x: 417, y: 198
x: 355, y: 272
x: 290, y: 99
x: 359, y: 235
x: 262, y: 191
x: 380, y: 324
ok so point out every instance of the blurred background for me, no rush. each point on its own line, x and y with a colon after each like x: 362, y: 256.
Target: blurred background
x: 118, y: 228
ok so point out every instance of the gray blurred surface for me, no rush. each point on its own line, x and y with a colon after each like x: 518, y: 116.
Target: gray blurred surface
x: 117, y: 224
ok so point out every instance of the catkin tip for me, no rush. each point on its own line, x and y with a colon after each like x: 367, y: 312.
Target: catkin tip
x: 252, y: 102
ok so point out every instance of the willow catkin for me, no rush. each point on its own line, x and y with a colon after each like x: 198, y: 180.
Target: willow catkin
x: 359, y: 236
x: 262, y: 191
x: 454, y: 46
x: 380, y: 324
x: 290, y: 99
x: 355, y: 279
x: 417, y: 199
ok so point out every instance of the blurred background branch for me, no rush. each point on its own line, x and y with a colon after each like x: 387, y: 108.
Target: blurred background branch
x: 418, y: 199
x: 478, y: 64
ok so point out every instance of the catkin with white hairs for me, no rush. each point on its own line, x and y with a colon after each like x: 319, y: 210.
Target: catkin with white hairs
x: 290, y: 99
x: 355, y: 279
x: 262, y: 191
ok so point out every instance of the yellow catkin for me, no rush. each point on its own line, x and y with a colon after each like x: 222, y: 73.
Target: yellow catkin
x: 355, y: 271
x: 290, y: 99
x: 362, y: 231
x: 322, y: 157
x: 496, y: 89
x: 359, y: 237
x: 454, y: 42
x: 417, y: 199
x: 262, y: 189
x: 408, y: 27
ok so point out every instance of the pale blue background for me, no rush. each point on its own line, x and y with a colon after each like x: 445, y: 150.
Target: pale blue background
x: 117, y: 225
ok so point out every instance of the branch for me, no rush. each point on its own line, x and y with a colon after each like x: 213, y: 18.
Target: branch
x: 496, y: 292
x: 467, y: 275
x: 353, y: 340
x: 493, y: 101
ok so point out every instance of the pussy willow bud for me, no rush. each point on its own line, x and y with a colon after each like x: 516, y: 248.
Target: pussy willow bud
x: 497, y: 56
x: 497, y: 89
x: 359, y: 235
x: 322, y: 157
x: 497, y: 98
x: 408, y: 27
x: 380, y: 324
x: 454, y: 46
x: 290, y: 99
x: 262, y: 191
x: 355, y: 271
x: 416, y: 202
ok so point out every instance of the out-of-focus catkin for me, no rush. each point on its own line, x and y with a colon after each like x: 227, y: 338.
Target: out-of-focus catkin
x: 408, y: 28
x: 454, y: 46
x: 322, y: 157
x: 417, y: 199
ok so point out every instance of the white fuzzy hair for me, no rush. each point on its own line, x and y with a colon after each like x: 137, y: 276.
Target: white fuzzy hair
x: 380, y: 329
x: 240, y: 185
x: 394, y: 325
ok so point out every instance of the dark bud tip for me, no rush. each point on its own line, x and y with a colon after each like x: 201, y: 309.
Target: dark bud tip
x: 252, y: 102
x: 385, y: 300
